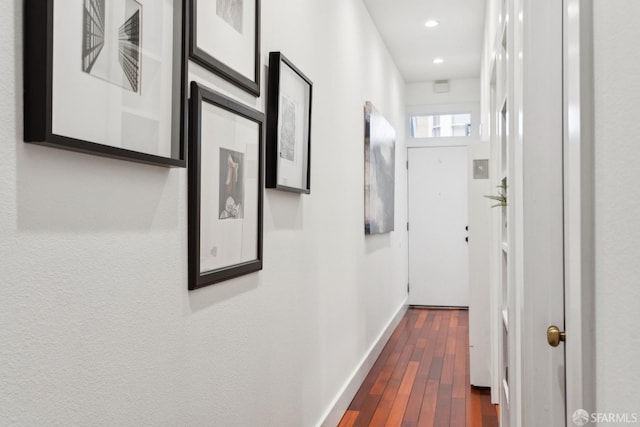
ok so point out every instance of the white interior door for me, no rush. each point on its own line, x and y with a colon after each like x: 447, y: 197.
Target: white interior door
x: 438, y: 253
x: 531, y: 253
x: 539, y: 211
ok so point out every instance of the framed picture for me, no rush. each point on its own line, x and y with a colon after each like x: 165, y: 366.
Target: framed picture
x: 225, y: 188
x: 106, y: 77
x: 224, y: 37
x: 288, y: 126
x: 379, y: 172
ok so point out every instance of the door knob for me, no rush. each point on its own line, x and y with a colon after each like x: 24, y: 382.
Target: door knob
x: 554, y: 336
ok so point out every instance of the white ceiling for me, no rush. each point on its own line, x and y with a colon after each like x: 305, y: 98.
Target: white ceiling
x: 457, y: 40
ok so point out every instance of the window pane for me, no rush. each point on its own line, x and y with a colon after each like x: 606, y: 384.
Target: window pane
x: 442, y: 125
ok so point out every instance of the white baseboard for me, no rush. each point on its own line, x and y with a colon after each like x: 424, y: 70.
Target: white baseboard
x: 341, y: 403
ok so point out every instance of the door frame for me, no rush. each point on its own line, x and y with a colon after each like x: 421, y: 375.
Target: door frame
x: 579, y: 207
x: 439, y: 108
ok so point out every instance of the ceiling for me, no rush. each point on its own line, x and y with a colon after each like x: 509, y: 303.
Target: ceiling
x: 457, y: 39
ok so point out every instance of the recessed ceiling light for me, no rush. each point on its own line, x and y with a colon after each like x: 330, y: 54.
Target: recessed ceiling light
x: 431, y: 23
x: 438, y: 61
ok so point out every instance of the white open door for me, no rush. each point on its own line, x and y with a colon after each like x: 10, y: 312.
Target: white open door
x: 479, y: 261
x: 529, y: 258
x: 539, y: 212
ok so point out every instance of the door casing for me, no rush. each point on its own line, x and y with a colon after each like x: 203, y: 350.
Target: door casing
x: 579, y: 205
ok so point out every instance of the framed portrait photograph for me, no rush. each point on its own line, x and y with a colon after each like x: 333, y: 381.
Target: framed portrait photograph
x: 224, y: 37
x: 379, y: 172
x: 288, y: 127
x: 225, y: 188
x: 106, y: 77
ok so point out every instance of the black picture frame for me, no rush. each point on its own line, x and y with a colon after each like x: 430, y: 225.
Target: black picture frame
x: 211, y: 57
x: 55, y: 116
x: 219, y: 128
x: 289, y: 104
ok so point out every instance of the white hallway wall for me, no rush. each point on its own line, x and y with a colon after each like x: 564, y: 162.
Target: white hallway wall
x: 617, y: 205
x: 96, y: 324
x: 461, y: 91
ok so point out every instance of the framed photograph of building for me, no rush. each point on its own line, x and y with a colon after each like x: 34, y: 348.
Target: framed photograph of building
x: 224, y: 37
x: 379, y: 172
x: 225, y: 188
x: 288, y: 126
x: 106, y: 77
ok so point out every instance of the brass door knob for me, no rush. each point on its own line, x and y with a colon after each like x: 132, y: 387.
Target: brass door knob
x: 554, y: 336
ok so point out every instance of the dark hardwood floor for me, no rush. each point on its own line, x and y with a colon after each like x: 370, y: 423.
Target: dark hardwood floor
x: 422, y: 377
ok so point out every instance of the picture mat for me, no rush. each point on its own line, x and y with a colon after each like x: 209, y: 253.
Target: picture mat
x: 223, y: 42
x: 231, y: 11
x: 91, y: 109
x: 225, y: 242
x: 296, y: 91
x: 379, y: 173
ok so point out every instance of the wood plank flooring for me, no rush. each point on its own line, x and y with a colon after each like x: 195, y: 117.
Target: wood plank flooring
x: 422, y: 377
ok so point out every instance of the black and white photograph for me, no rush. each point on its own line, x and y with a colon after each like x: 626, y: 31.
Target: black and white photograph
x: 379, y: 172
x: 231, y: 184
x: 231, y: 12
x: 113, y: 78
x: 111, y: 41
x: 224, y: 38
x: 225, y: 188
x: 288, y: 126
x: 288, y: 129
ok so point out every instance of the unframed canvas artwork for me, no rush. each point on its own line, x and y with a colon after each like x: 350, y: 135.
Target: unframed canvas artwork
x: 231, y: 195
x: 111, y: 41
x: 379, y: 173
x: 231, y: 12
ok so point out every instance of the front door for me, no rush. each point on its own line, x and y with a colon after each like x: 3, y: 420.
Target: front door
x: 438, y: 253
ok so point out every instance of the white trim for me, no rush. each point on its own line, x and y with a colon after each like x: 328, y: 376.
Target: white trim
x: 430, y: 109
x: 341, y: 403
x: 519, y: 42
x: 496, y: 225
x: 578, y: 201
x: 438, y: 143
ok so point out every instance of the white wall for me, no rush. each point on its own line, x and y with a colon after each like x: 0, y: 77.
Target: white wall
x: 96, y: 323
x: 617, y: 205
x: 461, y: 91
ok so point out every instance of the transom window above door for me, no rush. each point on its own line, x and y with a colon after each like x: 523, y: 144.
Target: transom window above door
x: 440, y: 125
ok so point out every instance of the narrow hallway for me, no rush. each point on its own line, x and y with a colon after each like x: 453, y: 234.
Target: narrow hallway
x: 422, y: 377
